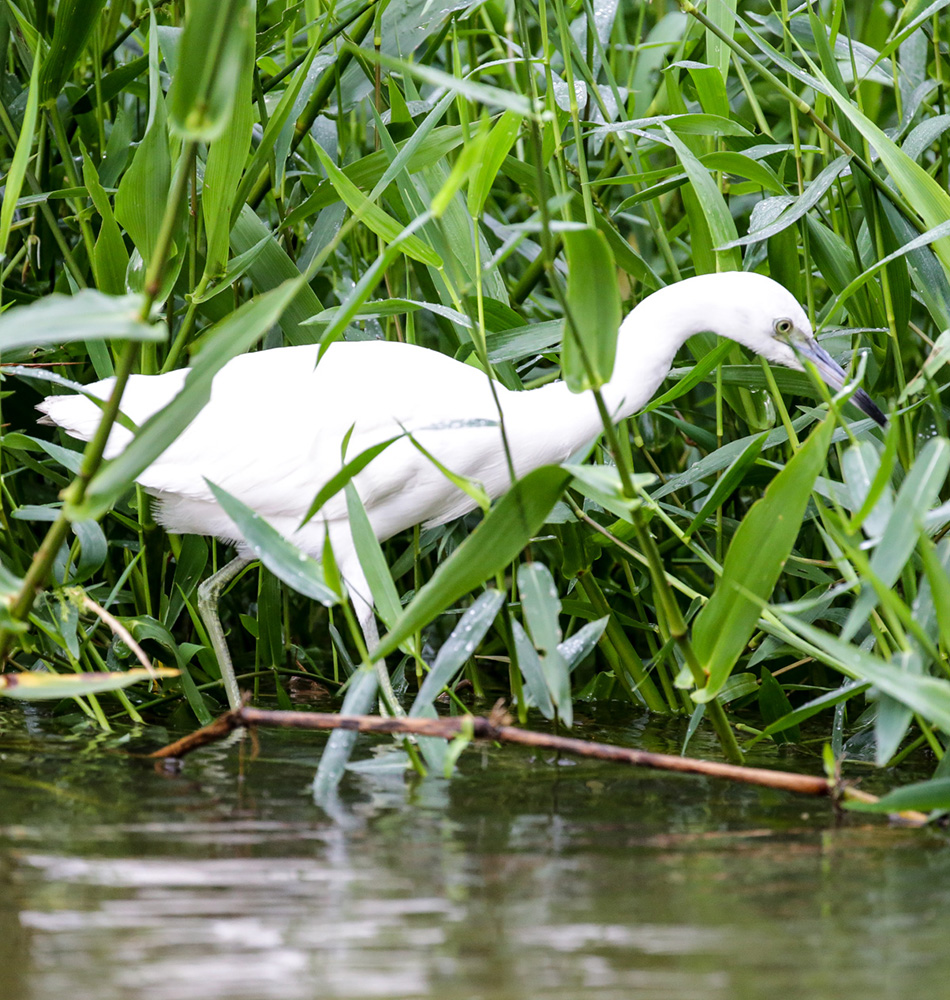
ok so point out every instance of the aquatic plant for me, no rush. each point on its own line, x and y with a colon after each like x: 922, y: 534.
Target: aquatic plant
x: 189, y: 182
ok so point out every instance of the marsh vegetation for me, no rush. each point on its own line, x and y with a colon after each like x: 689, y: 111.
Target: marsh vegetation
x: 190, y: 182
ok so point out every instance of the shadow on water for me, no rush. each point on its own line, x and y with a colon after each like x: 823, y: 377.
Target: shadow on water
x: 523, y: 877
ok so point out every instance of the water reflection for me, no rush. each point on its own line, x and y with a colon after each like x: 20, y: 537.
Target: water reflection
x: 521, y: 878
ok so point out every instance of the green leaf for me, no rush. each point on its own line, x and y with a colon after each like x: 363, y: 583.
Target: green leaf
x: 459, y: 647
x: 730, y: 481
x: 228, y: 151
x: 928, y: 696
x: 709, y: 81
x: 723, y: 14
x: 480, y: 92
x: 110, y: 258
x: 275, y: 127
x: 190, y: 565
x: 529, y: 663
x: 933, y: 598
x: 351, y: 469
x: 811, y: 708
x: 496, y: 148
x: 270, y: 651
x: 66, y: 457
x: 374, y: 169
x: 378, y: 309
x: 214, y: 58
x: 359, y: 700
x: 143, y: 191
x: 93, y: 549
x: 542, y: 606
x: 277, y: 553
x: 21, y: 157
x: 924, y: 239
x: 75, y: 22
x: 815, y: 191
x: 754, y: 562
x: 30, y: 686
x: 774, y: 705
x: 269, y: 268
x: 466, y: 162
x: 372, y: 561
x: 860, y: 466
x: 682, y: 124
x: 722, y: 228
x: 383, y: 225
x: 236, y: 268
x: 722, y: 457
x: 917, y: 494
x: 602, y: 484
x: 10, y: 587
x: 891, y: 724
x: 524, y: 341
x: 577, y: 646
x: 744, y: 166
x: 110, y: 85
x: 439, y: 756
x: 698, y: 373
x: 87, y: 315
x: 368, y: 281
x: 589, y: 344
x: 924, y: 194
x: 923, y: 796
x: 506, y: 530
x: 408, y: 154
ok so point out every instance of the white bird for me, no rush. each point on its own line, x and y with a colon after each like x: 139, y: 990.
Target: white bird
x: 272, y: 432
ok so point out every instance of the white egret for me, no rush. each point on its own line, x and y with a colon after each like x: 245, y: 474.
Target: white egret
x: 272, y: 432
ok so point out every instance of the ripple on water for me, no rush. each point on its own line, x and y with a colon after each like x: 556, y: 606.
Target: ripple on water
x: 517, y: 879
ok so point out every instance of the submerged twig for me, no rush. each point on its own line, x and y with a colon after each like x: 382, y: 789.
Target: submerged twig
x: 495, y: 727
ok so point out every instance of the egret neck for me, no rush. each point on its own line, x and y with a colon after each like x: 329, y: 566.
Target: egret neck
x: 647, y: 343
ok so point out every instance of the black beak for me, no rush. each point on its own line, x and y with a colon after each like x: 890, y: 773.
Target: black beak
x: 834, y: 376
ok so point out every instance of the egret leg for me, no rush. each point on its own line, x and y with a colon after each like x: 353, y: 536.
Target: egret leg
x: 209, y: 594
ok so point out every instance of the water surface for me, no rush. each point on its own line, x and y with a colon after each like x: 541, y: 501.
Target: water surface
x: 523, y: 877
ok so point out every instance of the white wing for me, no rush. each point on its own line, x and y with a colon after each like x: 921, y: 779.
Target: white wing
x: 273, y: 430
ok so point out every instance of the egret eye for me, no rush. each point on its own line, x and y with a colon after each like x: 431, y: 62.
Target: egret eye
x: 783, y: 327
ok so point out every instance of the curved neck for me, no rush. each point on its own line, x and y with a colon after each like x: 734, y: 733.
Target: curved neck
x: 647, y: 343
x: 656, y: 329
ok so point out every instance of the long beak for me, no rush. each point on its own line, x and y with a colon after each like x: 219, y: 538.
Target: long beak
x: 834, y: 375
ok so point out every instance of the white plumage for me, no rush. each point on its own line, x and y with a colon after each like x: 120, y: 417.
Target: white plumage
x: 272, y: 432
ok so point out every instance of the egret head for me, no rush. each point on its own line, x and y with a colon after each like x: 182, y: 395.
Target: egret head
x: 768, y: 319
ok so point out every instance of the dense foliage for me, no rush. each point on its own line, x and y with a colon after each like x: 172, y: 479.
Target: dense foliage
x: 431, y: 171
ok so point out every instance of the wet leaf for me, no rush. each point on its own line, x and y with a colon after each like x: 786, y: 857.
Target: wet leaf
x: 754, y: 562
x: 44, y: 687
x: 507, y: 528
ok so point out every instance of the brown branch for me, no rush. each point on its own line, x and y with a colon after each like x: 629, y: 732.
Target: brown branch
x: 212, y: 733
x: 496, y: 728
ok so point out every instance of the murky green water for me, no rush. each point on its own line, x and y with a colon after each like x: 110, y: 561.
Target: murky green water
x: 521, y: 878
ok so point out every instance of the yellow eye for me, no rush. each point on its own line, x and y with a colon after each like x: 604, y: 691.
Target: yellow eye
x: 783, y: 327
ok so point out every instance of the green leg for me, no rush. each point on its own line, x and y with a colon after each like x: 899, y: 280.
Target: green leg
x: 209, y: 594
